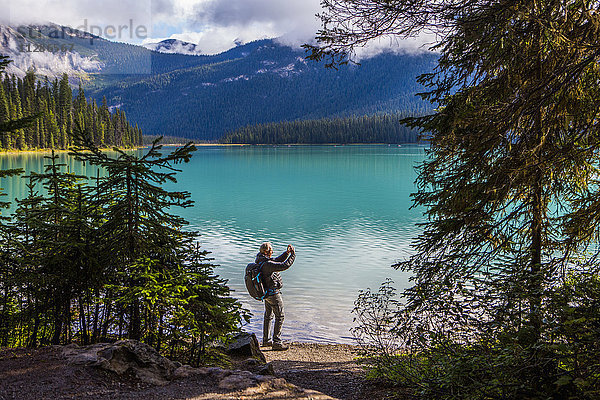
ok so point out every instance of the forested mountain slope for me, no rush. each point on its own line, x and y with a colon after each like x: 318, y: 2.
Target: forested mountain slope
x: 365, y: 129
x: 204, y: 96
x: 267, y: 82
x: 58, y: 114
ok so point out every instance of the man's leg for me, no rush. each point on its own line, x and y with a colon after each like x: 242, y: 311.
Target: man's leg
x: 277, y: 305
x: 267, y: 321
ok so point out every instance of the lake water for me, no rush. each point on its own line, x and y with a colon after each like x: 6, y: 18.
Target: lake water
x: 344, y: 208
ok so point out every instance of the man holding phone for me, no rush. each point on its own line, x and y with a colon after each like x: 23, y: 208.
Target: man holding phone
x: 273, y: 283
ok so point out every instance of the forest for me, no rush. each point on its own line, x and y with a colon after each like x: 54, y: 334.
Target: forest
x: 57, y: 112
x: 99, y: 258
x: 270, y: 83
x: 505, y: 275
x: 366, y: 129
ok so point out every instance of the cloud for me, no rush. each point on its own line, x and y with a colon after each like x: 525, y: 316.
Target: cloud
x: 284, y: 15
x: 415, y: 45
x: 224, y: 21
x: 214, y: 25
x: 83, y: 14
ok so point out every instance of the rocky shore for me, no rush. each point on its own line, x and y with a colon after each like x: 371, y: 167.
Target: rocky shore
x: 132, y: 370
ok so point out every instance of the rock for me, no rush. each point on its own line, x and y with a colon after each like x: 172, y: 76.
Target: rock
x: 186, y: 371
x: 264, y: 378
x: 122, y: 357
x: 251, y: 362
x: 238, y: 380
x: 143, y: 360
x: 219, y: 373
x: 266, y: 369
x: 246, y: 344
x: 82, y: 355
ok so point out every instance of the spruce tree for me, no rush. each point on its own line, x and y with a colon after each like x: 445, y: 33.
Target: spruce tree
x: 139, y: 232
x: 7, y: 260
x: 509, y: 186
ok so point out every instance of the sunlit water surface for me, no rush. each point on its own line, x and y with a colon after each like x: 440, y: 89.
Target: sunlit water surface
x: 344, y: 208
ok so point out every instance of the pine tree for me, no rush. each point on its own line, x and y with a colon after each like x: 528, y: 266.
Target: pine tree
x: 509, y: 187
x: 139, y: 232
x: 7, y: 262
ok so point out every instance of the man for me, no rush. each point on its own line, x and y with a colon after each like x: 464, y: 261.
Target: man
x: 273, y: 283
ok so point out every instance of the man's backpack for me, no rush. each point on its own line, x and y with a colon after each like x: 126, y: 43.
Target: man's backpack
x: 254, y: 282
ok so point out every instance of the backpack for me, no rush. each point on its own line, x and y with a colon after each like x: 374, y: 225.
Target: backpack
x: 254, y: 283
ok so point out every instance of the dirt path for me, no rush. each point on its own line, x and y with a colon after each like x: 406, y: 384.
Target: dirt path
x: 330, y: 369
x: 309, y: 371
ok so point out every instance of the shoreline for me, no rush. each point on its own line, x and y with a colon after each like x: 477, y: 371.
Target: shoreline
x: 49, y: 151
x: 306, y: 371
x: 299, y: 144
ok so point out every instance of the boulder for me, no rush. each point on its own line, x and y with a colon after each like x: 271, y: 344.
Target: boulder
x: 78, y: 355
x: 139, y: 358
x: 246, y: 345
x: 266, y: 369
x: 124, y: 356
x: 238, y: 380
x: 185, y: 371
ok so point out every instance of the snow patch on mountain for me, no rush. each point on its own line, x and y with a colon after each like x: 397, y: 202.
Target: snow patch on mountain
x: 52, y: 64
x: 236, y: 78
x: 174, y: 46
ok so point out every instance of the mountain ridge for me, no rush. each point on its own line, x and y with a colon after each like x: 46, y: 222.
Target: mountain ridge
x: 204, y: 96
x: 264, y: 83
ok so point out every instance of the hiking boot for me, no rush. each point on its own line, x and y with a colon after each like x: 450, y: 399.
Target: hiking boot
x: 280, y: 346
x: 266, y: 343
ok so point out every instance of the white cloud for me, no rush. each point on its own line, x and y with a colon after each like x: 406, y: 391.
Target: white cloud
x: 92, y: 16
x: 217, y: 39
x: 214, y: 25
x: 420, y: 44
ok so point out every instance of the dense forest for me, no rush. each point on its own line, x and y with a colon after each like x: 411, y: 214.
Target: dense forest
x: 264, y: 82
x: 58, y: 113
x: 148, y: 139
x: 365, y: 129
x: 99, y: 259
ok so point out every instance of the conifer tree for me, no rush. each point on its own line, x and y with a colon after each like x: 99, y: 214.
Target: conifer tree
x: 7, y: 260
x: 59, y: 253
x: 139, y: 233
x: 510, y: 185
x: 31, y: 96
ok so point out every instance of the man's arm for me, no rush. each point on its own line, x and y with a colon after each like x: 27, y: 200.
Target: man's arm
x: 277, y: 266
x: 282, y: 257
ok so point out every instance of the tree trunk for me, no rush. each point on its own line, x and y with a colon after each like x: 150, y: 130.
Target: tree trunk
x: 36, y: 325
x: 535, y: 278
x: 135, y: 321
x: 96, y: 323
x: 58, y: 321
x: 4, y: 322
x: 538, y: 210
x: 84, y: 331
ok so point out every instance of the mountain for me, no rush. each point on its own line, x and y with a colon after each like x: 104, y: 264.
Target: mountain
x: 174, y: 46
x: 205, y: 96
x: 54, y: 49
x: 264, y: 82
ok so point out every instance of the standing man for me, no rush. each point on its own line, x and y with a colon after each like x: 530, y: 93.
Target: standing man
x: 273, y: 283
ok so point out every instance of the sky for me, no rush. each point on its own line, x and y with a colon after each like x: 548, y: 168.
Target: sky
x: 214, y: 25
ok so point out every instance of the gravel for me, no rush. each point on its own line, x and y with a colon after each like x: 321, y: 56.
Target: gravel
x: 305, y: 371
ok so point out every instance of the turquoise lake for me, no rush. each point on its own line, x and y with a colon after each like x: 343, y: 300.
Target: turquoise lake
x: 344, y: 208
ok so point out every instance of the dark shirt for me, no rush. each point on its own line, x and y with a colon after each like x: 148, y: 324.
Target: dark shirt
x: 271, y: 268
